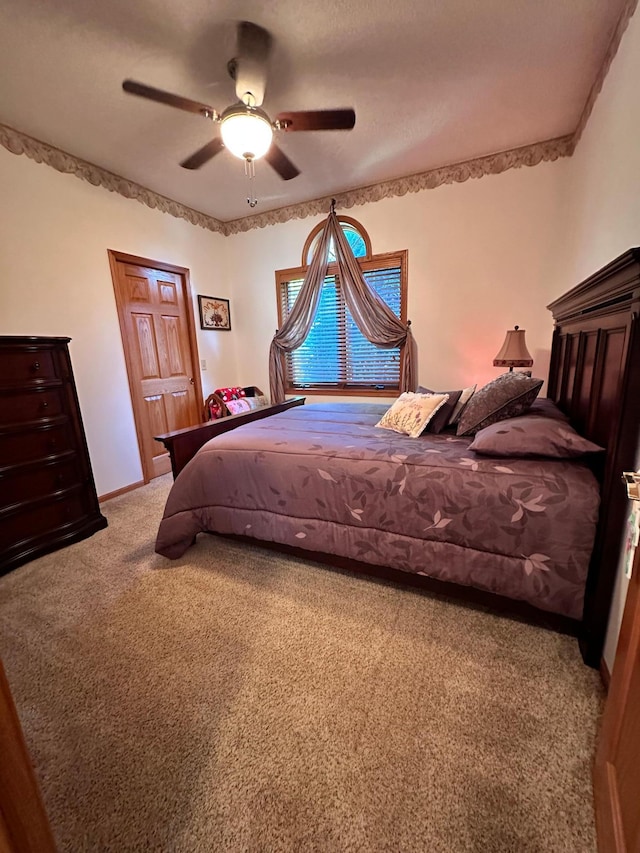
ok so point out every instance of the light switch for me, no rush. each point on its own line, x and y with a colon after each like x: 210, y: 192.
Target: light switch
x: 203, y: 363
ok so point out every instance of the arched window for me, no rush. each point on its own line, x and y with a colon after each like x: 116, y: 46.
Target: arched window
x: 357, y: 238
x: 336, y: 358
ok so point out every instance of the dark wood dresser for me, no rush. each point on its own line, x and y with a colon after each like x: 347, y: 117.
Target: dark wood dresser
x: 47, y: 495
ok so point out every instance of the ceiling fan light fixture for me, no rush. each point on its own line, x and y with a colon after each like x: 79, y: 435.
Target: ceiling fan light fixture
x: 246, y: 131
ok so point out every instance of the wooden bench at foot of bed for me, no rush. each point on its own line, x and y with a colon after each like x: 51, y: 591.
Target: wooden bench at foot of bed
x: 183, y: 444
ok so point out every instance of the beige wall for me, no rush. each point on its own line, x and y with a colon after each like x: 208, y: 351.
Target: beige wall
x: 602, y: 212
x: 482, y: 258
x: 55, y: 280
x: 602, y: 217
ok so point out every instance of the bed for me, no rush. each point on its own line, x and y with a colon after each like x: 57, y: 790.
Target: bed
x: 532, y: 536
x: 324, y: 477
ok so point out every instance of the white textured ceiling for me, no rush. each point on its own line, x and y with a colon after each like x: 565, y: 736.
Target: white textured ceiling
x: 432, y: 83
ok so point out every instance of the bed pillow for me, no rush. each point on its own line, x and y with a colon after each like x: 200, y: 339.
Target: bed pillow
x: 507, y: 396
x: 461, y: 405
x: 412, y: 412
x: 442, y: 417
x: 547, y: 408
x: 532, y: 435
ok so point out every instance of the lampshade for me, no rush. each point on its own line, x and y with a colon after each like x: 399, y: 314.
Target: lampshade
x: 514, y: 352
x: 246, y: 131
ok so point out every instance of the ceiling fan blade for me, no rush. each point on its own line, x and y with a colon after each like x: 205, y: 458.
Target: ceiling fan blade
x: 162, y: 97
x: 317, y: 120
x: 204, y: 154
x: 250, y: 65
x: 279, y: 161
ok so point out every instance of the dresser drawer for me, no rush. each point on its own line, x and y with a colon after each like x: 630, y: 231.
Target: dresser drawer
x: 18, y: 368
x: 31, y: 405
x: 39, y: 480
x: 40, y: 520
x: 32, y: 444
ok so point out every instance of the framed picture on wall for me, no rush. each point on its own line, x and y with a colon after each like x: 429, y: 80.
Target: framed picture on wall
x: 214, y: 313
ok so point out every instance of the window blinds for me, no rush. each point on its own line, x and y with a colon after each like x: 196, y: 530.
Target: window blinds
x: 336, y: 354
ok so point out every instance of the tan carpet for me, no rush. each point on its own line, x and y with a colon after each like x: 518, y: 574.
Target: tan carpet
x: 241, y: 700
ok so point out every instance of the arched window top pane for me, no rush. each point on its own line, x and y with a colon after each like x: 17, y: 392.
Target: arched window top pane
x: 354, y: 237
x: 355, y: 240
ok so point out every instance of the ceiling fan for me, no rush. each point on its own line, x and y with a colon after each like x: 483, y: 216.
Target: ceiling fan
x: 246, y: 129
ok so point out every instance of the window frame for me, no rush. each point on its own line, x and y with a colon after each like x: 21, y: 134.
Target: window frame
x: 348, y: 220
x: 387, y: 260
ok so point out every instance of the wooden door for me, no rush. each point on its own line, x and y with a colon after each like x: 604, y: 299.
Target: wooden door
x: 158, y: 335
x: 617, y: 766
x: 24, y: 827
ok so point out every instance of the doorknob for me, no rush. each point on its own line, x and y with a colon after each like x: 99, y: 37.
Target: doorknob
x: 191, y: 379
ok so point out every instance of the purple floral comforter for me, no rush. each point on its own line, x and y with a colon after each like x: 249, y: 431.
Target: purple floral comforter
x: 323, y: 477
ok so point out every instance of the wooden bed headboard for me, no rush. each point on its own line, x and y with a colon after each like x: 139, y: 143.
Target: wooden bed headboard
x: 594, y: 377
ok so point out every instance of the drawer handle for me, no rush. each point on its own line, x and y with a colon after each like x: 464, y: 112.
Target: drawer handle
x: 35, y: 366
x: 52, y: 443
x: 44, y: 405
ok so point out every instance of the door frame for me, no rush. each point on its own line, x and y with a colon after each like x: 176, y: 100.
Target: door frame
x: 609, y: 818
x: 116, y: 257
x: 24, y: 825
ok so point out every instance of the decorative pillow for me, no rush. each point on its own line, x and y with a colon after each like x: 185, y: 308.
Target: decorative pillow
x: 256, y: 402
x: 547, y: 408
x: 236, y: 407
x: 227, y: 394
x: 442, y: 417
x: 532, y: 435
x: 412, y: 412
x: 461, y: 405
x: 505, y: 397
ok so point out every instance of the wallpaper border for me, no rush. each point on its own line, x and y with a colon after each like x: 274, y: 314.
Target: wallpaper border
x: 456, y: 173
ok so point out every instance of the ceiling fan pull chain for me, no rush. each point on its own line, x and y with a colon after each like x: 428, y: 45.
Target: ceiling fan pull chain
x: 250, y: 172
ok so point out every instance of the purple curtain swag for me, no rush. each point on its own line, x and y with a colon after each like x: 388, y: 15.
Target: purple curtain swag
x: 371, y: 314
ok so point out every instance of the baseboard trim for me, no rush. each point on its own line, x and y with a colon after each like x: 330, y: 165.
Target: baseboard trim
x: 605, y: 675
x: 130, y: 488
